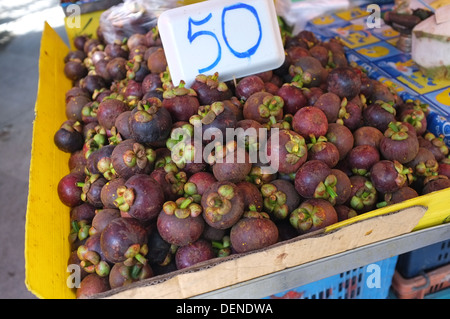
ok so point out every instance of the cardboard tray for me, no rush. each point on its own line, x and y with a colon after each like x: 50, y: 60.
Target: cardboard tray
x: 47, y: 248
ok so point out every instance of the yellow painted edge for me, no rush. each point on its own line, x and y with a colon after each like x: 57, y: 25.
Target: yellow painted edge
x: 47, y: 220
x: 438, y: 212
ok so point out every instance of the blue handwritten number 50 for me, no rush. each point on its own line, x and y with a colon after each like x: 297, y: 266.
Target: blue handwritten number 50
x: 245, y: 54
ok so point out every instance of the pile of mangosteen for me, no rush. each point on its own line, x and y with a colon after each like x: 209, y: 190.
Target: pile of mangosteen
x: 140, y: 206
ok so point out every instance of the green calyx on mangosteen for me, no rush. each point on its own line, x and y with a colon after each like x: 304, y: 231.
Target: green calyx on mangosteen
x: 222, y: 204
x: 180, y: 222
x: 274, y: 201
x: 313, y: 214
x: 182, y: 207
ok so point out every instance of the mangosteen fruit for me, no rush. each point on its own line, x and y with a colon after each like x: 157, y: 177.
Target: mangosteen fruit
x: 293, y: 98
x: 415, y: 117
x: 344, y: 82
x: 69, y: 192
x: 389, y: 176
x: 367, y: 135
x: 435, y: 144
x: 117, y: 68
x: 137, y: 68
x: 320, y: 149
x: 92, y: 284
x: 444, y: 167
x: 91, y: 257
x: 321, y: 53
x: 99, y: 162
x: 247, y: 86
x: 124, y: 239
x: 93, y: 83
x: 74, y: 107
x: 330, y: 104
x: 313, y: 214
x: 223, y: 205
x: 361, y: 158
x: 130, y: 158
x: 310, y: 121
x: 287, y: 151
x: 214, y: 120
x: 122, y: 275
x: 160, y: 252
x: 344, y: 212
x: 314, y: 179
x: 280, y: 198
x: 194, y: 253
x: 109, y: 109
x: 171, y: 179
x: 435, y: 183
x: 102, y: 218
x: 180, y: 222
x: 75, y: 69
x: 230, y: 163
x: 91, y: 189
x: 350, y: 115
x: 399, y: 143
x: 255, y: 230
x: 150, y: 122
x: 343, y: 186
x: 263, y: 107
x: 253, y: 199
x: 140, y: 197
x: 364, y: 195
x: 181, y: 102
x: 157, y: 61
x: 209, y: 89
x: 341, y: 136
x: 84, y: 211
x: 398, y: 196
x: 309, y: 71
x: 424, y: 163
x: 69, y: 138
x: 379, y: 114
x: 108, y: 193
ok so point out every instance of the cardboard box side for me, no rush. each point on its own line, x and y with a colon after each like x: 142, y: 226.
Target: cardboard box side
x: 47, y: 221
x: 239, y: 268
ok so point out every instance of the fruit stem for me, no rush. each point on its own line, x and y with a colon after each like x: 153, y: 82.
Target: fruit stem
x: 393, y: 127
x: 186, y: 203
x: 331, y: 191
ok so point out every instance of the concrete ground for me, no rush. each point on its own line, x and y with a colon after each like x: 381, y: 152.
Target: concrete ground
x: 21, y: 25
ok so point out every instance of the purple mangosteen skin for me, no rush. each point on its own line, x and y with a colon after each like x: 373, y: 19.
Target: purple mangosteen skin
x: 149, y: 197
x: 309, y: 175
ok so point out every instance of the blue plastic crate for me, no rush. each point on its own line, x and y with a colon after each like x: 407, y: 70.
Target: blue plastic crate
x: 442, y: 294
x: 369, y: 282
x: 413, y: 263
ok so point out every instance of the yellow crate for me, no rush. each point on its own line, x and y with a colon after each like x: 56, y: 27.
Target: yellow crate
x: 47, y: 247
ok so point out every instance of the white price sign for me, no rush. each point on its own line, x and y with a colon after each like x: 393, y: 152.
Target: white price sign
x: 234, y: 38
